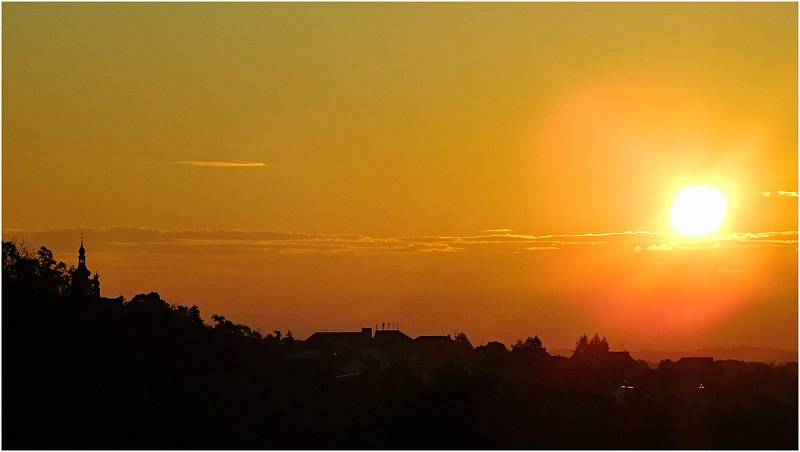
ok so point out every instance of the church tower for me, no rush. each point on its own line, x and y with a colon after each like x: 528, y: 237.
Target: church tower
x: 82, y: 256
x: 83, y: 285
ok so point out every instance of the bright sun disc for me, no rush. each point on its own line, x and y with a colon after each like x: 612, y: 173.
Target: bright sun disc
x: 698, y: 211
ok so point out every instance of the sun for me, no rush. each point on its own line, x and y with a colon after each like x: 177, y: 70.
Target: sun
x: 699, y: 211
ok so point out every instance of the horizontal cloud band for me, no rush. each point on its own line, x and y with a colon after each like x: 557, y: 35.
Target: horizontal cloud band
x: 219, y: 163
x: 235, y: 241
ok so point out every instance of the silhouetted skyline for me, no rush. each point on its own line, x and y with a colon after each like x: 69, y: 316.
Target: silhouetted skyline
x: 84, y: 287
x: 82, y: 371
x: 213, y: 268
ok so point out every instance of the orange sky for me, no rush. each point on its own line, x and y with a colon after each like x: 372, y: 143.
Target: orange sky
x: 505, y: 170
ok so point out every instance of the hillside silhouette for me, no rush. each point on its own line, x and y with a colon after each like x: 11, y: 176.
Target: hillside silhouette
x: 81, y: 371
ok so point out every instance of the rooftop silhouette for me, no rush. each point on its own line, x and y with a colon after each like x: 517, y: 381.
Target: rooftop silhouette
x: 141, y: 373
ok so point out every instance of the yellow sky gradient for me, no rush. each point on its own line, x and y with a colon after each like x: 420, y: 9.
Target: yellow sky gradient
x: 503, y: 169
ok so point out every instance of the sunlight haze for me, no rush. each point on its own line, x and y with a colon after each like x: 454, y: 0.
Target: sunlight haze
x: 503, y: 170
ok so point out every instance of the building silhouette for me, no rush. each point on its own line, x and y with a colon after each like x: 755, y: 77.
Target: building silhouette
x: 350, y: 353
x: 84, y: 285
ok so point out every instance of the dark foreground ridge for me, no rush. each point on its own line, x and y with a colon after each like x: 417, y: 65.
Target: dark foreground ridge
x: 82, y: 371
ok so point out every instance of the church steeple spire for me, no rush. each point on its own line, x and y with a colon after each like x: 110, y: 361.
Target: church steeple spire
x: 81, y: 254
x: 83, y: 286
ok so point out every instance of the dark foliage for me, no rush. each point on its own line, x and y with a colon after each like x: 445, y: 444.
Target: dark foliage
x: 145, y: 374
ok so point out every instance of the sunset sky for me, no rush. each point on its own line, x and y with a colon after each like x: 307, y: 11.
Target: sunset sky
x: 503, y: 170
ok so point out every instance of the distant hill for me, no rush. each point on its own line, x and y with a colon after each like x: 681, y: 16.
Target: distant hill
x: 741, y: 353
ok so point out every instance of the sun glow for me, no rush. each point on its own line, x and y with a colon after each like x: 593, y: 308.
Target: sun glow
x: 699, y: 211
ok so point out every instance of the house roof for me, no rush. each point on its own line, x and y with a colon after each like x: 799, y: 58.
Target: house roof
x: 698, y: 363
x: 391, y: 334
x: 696, y: 359
x: 337, y: 340
x: 621, y: 358
x: 335, y: 334
x: 433, y: 338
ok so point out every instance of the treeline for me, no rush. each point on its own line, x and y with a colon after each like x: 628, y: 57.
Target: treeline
x: 145, y: 374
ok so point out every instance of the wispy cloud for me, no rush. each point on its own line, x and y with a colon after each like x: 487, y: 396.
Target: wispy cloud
x: 664, y: 246
x: 787, y: 194
x: 226, y: 242
x: 728, y: 240
x: 730, y: 270
x: 219, y: 163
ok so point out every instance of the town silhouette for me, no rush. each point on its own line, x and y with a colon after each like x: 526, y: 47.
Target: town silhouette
x: 83, y: 371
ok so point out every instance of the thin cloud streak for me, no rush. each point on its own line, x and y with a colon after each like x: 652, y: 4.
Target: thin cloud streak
x: 786, y: 194
x: 730, y: 270
x: 197, y: 242
x: 219, y: 163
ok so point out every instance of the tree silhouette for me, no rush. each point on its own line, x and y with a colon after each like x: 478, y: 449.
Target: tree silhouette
x: 593, y: 346
x: 144, y: 374
x: 462, y: 339
x: 531, y: 344
x: 604, y: 347
x: 582, y: 345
